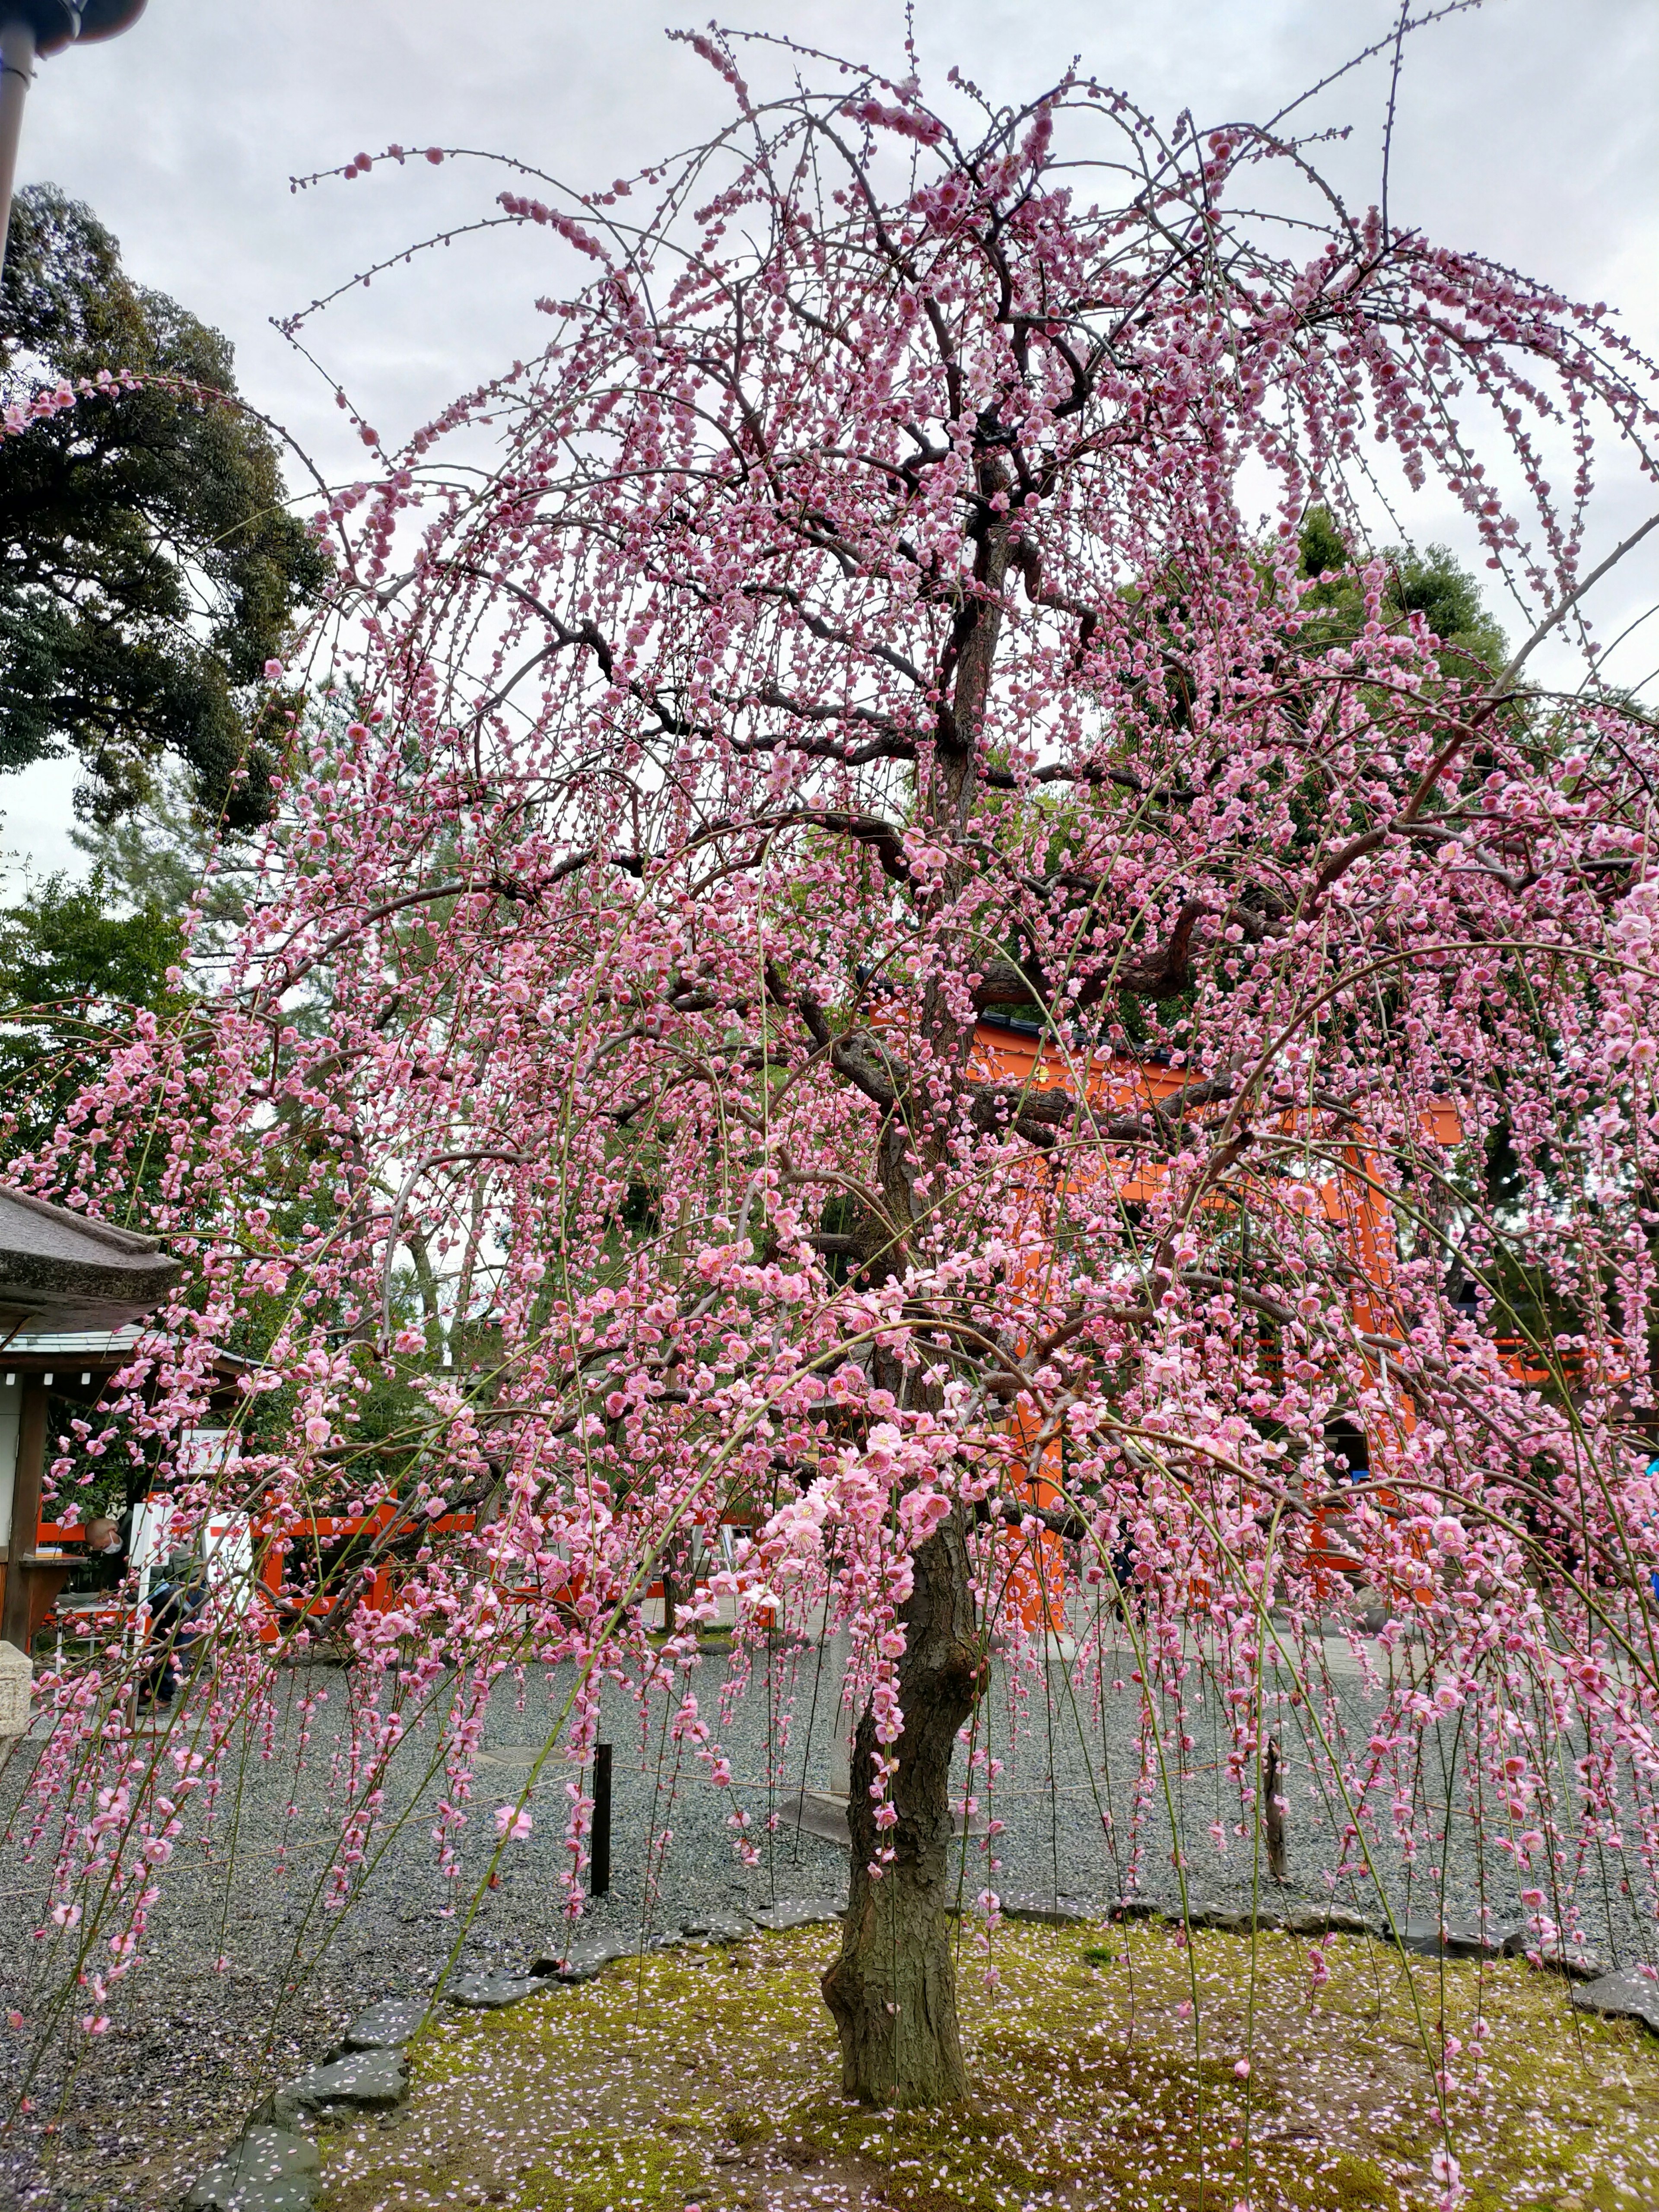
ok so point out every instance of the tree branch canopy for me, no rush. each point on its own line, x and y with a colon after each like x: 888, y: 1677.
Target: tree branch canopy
x: 892, y: 1015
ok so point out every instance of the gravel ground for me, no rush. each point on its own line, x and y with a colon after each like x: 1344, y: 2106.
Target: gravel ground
x: 130, y: 2117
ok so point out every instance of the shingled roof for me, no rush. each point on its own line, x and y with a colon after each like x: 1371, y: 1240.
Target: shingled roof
x: 60, y: 1270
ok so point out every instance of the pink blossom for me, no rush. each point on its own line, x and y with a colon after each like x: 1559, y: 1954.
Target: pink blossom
x: 620, y: 1062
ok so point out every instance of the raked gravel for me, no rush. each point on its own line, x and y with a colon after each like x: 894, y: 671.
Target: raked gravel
x: 251, y: 1980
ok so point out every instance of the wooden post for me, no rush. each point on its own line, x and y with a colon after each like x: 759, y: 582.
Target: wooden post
x: 24, y: 1535
x: 599, y: 1857
x: 1274, y: 1811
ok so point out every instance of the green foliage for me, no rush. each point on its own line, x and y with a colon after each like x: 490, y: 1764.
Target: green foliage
x: 1322, y: 547
x: 148, y: 566
x: 158, y: 854
x: 1430, y: 583
x: 64, y: 946
x: 74, y: 972
x: 1448, y: 598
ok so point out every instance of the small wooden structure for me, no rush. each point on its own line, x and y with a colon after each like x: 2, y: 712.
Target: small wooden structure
x: 75, y: 1284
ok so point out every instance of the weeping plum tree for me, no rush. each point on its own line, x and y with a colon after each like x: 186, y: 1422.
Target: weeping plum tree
x: 886, y: 617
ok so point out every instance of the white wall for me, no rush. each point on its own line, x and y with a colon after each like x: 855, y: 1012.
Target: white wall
x: 11, y: 1400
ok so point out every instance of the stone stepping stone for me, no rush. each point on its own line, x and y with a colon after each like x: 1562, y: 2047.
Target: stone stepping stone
x: 1236, y: 1919
x: 385, y: 2024
x: 581, y: 1959
x: 1136, y: 1908
x: 819, y: 1813
x: 491, y: 1992
x: 798, y: 1912
x: 823, y: 1812
x: 1631, y: 1994
x: 708, y: 1927
x: 366, y: 2082
x: 1328, y: 1920
x: 1556, y: 1957
x: 1061, y: 1911
x: 1450, y: 1939
x: 269, y: 2170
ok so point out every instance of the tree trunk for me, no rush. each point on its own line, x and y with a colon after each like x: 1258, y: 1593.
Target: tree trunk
x: 893, y: 1988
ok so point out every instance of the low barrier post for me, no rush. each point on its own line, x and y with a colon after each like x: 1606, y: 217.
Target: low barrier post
x: 598, y: 1863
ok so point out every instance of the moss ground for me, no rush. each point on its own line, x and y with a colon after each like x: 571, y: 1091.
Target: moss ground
x: 1106, y: 2073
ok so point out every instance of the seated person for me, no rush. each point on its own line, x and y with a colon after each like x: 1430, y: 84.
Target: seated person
x: 105, y: 1564
x: 174, y: 1604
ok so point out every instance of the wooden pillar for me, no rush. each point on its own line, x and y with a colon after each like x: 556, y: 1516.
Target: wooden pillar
x: 599, y: 1857
x: 24, y: 1534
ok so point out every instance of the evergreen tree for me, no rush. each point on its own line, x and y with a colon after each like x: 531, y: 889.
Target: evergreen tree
x: 76, y: 970
x: 148, y: 566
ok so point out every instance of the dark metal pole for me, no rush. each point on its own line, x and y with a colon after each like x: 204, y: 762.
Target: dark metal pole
x: 599, y: 1862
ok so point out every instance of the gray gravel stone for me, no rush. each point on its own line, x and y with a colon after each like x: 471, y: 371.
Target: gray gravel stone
x: 366, y: 2082
x: 1629, y: 1996
x: 385, y: 2024
x: 798, y: 1912
x: 491, y: 1992
x: 267, y: 2170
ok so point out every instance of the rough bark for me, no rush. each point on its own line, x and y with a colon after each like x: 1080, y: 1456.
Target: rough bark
x: 892, y: 1989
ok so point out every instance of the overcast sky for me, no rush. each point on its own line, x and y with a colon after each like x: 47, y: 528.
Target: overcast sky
x: 1527, y: 131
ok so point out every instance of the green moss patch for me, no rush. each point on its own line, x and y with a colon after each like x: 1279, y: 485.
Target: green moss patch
x: 1130, y: 2069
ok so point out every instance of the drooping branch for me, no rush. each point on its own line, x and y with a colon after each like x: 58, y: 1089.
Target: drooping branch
x: 1157, y: 975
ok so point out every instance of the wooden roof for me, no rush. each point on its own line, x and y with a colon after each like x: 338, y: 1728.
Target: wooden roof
x: 62, y: 1270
